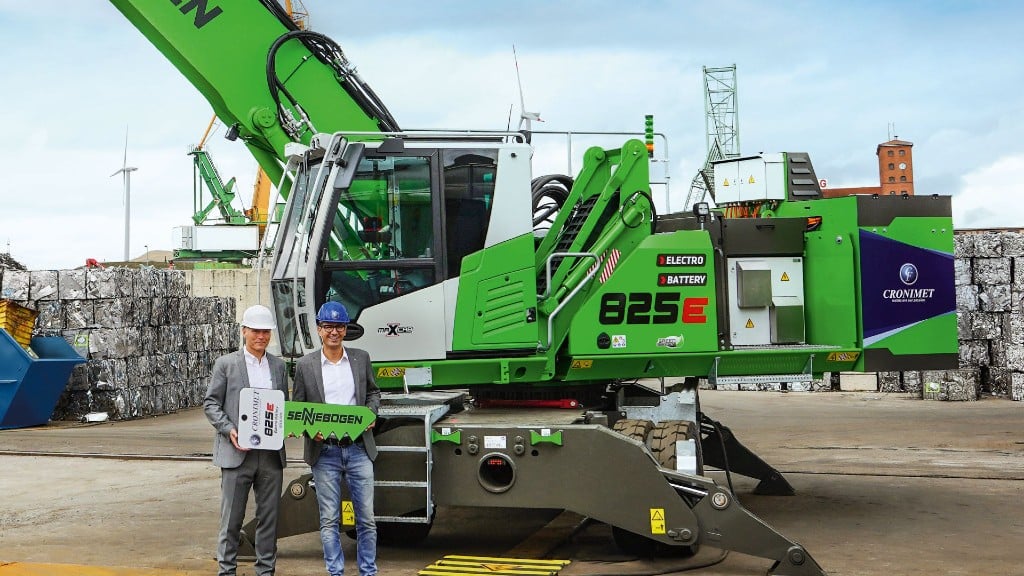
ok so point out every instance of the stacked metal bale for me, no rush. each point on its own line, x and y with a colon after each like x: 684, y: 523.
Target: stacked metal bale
x: 149, y: 344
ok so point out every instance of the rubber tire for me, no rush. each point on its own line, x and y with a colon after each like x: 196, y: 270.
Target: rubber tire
x: 635, y: 429
x: 663, y: 442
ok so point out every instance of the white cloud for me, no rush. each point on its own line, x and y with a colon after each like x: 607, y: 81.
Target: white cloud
x: 76, y: 73
x: 990, y: 195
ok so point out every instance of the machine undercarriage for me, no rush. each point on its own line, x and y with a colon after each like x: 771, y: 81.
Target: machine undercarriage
x: 438, y: 449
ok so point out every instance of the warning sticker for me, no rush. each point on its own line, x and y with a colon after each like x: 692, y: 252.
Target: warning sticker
x: 657, y: 520
x: 751, y: 181
x: 582, y: 364
x: 785, y: 277
x: 348, y: 513
x: 750, y: 323
x: 390, y: 372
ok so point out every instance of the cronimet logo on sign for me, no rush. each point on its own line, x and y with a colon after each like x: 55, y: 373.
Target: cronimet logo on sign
x: 908, y: 275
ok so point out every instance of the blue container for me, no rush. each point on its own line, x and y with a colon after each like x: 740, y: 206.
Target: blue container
x: 30, y: 387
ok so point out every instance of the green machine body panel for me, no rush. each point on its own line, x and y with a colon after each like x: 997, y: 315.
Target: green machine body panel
x: 879, y: 273
x: 497, y: 301
x: 658, y: 300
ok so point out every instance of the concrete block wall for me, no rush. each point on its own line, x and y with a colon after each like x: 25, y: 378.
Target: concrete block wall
x: 244, y: 285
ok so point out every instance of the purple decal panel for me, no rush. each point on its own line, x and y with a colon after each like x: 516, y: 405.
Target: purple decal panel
x: 902, y: 284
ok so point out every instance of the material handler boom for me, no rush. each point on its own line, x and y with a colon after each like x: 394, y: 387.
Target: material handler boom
x: 470, y: 281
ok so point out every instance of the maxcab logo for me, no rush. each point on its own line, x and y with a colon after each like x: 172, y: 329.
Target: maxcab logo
x: 394, y: 329
x: 908, y: 276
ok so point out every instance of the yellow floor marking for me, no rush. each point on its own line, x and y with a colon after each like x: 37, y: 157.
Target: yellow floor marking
x: 562, y: 563
x: 30, y: 569
x: 453, y: 565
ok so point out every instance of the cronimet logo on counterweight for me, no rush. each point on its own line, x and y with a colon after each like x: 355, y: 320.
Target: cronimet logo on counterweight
x: 908, y: 275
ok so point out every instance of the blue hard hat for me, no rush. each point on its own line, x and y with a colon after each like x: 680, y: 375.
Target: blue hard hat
x: 332, y: 312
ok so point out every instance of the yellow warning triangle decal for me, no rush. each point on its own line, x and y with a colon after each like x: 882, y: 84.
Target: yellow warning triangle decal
x: 750, y: 323
x: 726, y: 183
x: 657, y: 514
x: 751, y: 181
x: 785, y: 277
x: 347, y: 508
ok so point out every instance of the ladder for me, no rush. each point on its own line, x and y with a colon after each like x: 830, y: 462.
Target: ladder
x: 429, y: 413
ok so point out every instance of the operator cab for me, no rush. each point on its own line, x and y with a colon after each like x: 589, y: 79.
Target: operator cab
x: 385, y: 229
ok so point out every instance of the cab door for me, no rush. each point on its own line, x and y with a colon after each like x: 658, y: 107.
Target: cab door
x: 379, y: 255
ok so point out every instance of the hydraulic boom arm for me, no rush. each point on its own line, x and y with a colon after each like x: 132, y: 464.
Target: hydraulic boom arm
x: 270, y: 82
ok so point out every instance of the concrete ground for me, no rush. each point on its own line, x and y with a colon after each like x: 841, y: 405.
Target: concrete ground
x: 885, y: 484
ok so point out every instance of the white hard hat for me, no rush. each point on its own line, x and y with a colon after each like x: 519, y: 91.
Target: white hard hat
x: 258, y: 318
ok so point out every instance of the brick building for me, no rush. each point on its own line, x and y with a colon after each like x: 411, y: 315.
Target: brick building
x: 895, y: 172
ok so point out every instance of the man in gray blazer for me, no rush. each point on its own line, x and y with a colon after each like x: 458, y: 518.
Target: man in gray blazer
x: 337, y: 374
x: 243, y: 469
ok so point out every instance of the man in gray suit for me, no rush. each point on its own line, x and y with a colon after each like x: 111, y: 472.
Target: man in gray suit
x: 243, y: 469
x: 337, y: 374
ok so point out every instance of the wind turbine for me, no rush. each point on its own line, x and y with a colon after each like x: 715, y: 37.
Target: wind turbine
x: 126, y: 171
x: 524, y: 116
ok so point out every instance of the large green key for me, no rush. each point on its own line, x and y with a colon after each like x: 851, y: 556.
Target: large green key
x: 327, y: 419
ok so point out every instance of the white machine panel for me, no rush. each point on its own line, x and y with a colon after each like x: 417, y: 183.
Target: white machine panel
x: 752, y: 178
x: 788, y: 278
x: 412, y: 326
x: 752, y: 326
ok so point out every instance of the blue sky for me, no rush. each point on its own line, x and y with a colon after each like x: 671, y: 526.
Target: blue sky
x: 823, y: 77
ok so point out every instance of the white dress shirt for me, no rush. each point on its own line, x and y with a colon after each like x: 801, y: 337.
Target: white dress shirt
x: 339, y: 384
x: 258, y: 370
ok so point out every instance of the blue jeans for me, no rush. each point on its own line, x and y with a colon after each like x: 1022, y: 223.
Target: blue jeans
x: 352, y: 464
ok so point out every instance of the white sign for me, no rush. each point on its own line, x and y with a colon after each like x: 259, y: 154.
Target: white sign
x: 494, y: 442
x: 823, y: 183
x: 261, y: 419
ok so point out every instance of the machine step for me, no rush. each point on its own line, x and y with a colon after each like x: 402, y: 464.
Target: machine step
x: 401, y: 483
x: 403, y: 519
x: 402, y: 449
x: 761, y: 379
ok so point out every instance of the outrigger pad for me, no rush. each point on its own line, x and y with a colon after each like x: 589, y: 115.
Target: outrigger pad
x: 722, y: 450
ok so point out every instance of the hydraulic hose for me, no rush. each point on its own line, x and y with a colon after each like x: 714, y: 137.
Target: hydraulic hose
x: 555, y: 188
x: 330, y: 54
